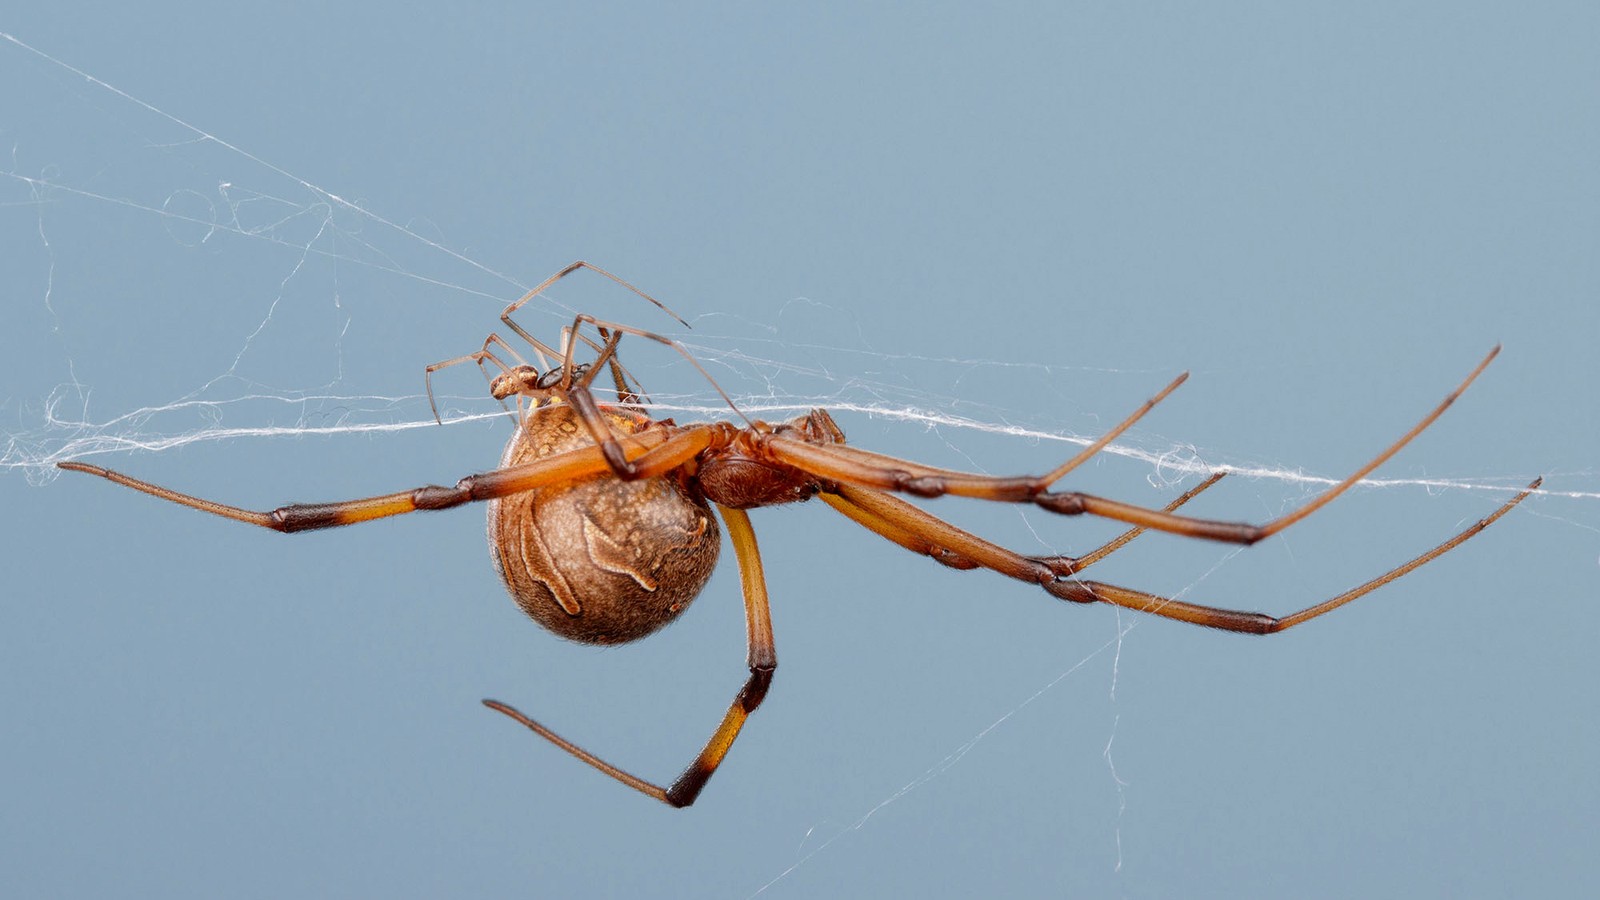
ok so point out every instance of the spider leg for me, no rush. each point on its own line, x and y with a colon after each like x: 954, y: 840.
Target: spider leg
x: 655, y: 455
x: 1121, y: 540
x: 915, y: 529
x: 681, y: 350
x: 920, y: 532
x: 928, y: 478
x: 842, y: 463
x: 628, y: 394
x: 480, y: 358
x: 588, y: 409
x: 505, y: 316
x: 1257, y: 623
x: 1060, y: 471
x: 761, y: 657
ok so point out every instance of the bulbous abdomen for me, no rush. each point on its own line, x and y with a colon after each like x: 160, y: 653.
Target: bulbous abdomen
x: 599, y: 560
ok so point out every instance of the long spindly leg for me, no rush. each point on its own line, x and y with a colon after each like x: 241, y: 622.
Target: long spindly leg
x: 505, y: 316
x: 657, y: 456
x: 679, y: 348
x: 919, y: 531
x: 621, y: 378
x: 1105, y: 440
x: 850, y: 464
x: 589, y: 410
x: 761, y: 656
x: 480, y: 357
x: 841, y: 463
x: 1121, y: 540
x: 628, y: 394
x: 901, y: 522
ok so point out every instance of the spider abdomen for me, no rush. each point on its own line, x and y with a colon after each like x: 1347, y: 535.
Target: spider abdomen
x: 600, y: 560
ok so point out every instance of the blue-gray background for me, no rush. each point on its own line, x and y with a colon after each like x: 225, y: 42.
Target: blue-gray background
x: 1027, y: 215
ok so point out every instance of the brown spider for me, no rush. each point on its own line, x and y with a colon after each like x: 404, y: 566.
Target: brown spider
x: 600, y: 517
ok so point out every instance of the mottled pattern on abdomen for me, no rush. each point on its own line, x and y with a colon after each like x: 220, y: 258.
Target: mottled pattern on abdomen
x: 598, y: 560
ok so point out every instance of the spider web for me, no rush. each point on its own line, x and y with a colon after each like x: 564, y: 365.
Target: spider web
x: 202, y: 197
x: 113, y: 168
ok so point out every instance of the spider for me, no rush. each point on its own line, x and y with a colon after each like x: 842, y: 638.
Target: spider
x: 601, y: 518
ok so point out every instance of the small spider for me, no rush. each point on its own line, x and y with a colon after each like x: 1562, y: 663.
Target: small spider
x: 601, y: 522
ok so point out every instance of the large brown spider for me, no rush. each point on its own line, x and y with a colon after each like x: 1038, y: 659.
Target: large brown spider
x: 600, y: 517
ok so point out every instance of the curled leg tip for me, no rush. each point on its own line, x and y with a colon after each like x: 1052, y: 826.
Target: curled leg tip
x: 504, y: 709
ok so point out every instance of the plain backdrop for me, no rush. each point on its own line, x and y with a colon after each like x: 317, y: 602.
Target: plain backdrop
x: 1028, y: 217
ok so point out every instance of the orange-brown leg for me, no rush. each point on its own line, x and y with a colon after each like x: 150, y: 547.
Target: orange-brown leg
x: 893, y: 518
x: 845, y: 464
x: 560, y: 468
x: 588, y: 409
x: 915, y: 529
x: 593, y: 417
x: 1121, y: 540
x: 761, y: 657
